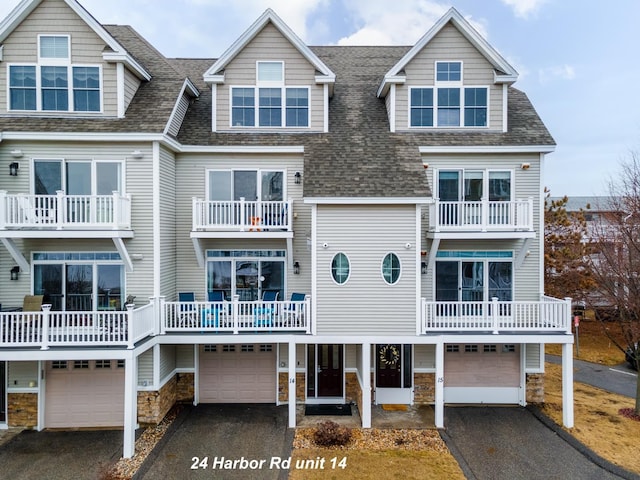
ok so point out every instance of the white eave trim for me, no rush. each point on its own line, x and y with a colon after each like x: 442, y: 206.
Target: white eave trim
x: 128, y: 60
x: 387, y: 81
x: 215, y: 78
x: 193, y: 91
x: 501, y: 78
x: 268, y: 16
x: 489, y: 149
x: 241, y: 149
x: 369, y: 200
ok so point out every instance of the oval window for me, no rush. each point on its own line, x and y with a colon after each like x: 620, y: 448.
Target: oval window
x: 340, y: 268
x: 391, y: 268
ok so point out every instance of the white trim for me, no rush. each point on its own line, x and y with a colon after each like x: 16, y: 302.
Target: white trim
x: 242, y: 149
x: 382, y: 268
x: 214, y: 107
x: 257, y: 107
x: 348, y: 266
x: 365, y: 385
x: 194, y: 92
x: 120, y: 90
x: 461, y: 107
x: 53, y: 233
x: 488, y: 149
x: 541, y: 245
x: 314, y: 268
x: 369, y: 200
x: 325, y: 115
x: 505, y: 108
x: 418, y: 267
x: 392, y: 109
x: 157, y: 221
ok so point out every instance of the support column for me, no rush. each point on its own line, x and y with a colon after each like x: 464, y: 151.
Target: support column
x: 366, y: 385
x: 292, y: 385
x: 130, y: 405
x: 439, y: 410
x: 567, y: 385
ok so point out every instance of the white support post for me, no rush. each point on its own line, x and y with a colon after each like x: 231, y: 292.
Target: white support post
x: 130, y: 339
x: 160, y: 316
x: 494, y: 315
x: 366, y: 385
x: 236, y: 312
x: 567, y: 315
x: 567, y: 385
x: 292, y: 385
x: 130, y: 405
x: 61, y: 209
x: 439, y: 409
x: 243, y: 215
x: 3, y: 209
x: 46, y: 311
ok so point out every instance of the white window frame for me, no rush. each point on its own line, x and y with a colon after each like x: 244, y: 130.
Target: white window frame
x: 399, y: 268
x: 331, y: 268
x: 54, y: 60
x: 269, y: 83
x: 256, y: 106
x: 259, y: 173
x: 485, y: 180
x: 94, y: 172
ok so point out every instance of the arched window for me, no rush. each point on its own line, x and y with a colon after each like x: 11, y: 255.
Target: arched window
x: 391, y: 268
x: 340, y: 269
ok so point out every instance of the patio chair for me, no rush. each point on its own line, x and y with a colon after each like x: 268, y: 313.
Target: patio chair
x: 215, y: 315
x: 264, y: 313
x: 294, y: 313
x: 187, y: 316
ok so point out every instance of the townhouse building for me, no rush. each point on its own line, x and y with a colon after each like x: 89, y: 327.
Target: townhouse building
x: 283, y: 224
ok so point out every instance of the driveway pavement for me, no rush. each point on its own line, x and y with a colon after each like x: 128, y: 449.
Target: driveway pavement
x: 511, y: 443
x: 223, y: 441
x: 59, y: 455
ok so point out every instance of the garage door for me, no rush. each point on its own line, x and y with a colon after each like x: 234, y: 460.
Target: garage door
x: 482, y: 373
x: 237, y: 374
x: 84, y: 394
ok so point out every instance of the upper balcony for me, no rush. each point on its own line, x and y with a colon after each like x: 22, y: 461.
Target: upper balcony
x: 242, y: 218
x: 65, y: 212
x: 490, y: 219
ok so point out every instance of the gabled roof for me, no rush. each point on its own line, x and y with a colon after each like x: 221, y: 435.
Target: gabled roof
x: 505, y: 72
x: 117, y: 54
x: 213, y: 74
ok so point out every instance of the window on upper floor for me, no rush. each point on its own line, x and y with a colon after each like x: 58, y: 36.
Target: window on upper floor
x: 448, y: 103
x: 54, y: 84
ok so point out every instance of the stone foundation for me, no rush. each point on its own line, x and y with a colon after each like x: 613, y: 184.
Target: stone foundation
x: 283, y: 387
x: 535, y: 387
x: 153, y: 406
x: 22, y: 410
x: 185, y: 387
x: 424, y: 388
x: 353, y: 389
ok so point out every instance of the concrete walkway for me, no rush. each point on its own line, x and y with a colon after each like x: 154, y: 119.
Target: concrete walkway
x: 512, y: 443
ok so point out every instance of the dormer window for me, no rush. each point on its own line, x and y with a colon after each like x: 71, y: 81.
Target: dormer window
x: 449, y: 103
x: 270, y: 72
x: 54, y: 84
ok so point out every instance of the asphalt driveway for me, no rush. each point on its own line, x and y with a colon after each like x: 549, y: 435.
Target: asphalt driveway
x: 223, y: 441
x: 58, y: 455
x: 511, y: 443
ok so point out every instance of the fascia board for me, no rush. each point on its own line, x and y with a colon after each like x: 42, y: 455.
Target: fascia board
x: 489, y: 149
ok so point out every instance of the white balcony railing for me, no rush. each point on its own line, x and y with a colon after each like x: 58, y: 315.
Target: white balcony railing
x: 547, y: 315
x: 236, y: 316
x: 481, y: 216
x: 241, y: 215
x: 62, y: 211
x: 92, y: 329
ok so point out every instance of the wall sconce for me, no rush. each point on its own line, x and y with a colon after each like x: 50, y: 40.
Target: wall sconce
x: 525, y: 166
x: 423, y: 268
x: 17, y: 153
x: 296, y: 268
x: 137, y: 154
x: 297, y: 177
x: 13, y: 169
x: 14, y: 273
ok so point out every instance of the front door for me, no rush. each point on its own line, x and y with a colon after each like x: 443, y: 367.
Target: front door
x: 389, y: 366
x: 3, y: 393
x: 325, y: 374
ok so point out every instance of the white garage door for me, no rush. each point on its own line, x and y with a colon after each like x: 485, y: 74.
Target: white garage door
x: 84, y: 393
x: 477, y: 373
x: 237, y: 374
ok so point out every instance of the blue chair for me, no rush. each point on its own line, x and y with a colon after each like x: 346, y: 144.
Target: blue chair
x: 187, y: 310
x: 294, y: 312
x: 212, y: 313
x: 264, y: 314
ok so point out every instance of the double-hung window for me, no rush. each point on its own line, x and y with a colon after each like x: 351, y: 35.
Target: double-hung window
x: 449, y: 103
x: 54, y: 84
x: 270, y: 103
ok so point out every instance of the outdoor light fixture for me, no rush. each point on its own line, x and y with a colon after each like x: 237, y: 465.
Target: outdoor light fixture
x: 423, y: 268
x: 298, y: 177
x: 296, y: 268
x: 137, y: 154
x: 13, y: 169
x: 14, y: 273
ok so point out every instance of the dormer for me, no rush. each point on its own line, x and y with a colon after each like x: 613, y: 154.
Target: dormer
x: 270, y: 81
x: 57, y: 60
x: 452, y: 79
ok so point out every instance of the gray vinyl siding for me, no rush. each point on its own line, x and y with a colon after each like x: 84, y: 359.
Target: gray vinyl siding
x: 19, y: 374
x: 180, y: 112
x: 351, y: 354
x: 185, y: 356
x: 449, y: 45
x: 365, y: 303
x: 527, y: 184
x: 167, y: 360
x: 190, y: 179
x: 145, y: 368
x: 167, y: 223
x: 533, y: 351
x: 301, y: 355
x: 86, y: 48
x: 131, y: 85
x: 267, y: 45
x: 424, y: 356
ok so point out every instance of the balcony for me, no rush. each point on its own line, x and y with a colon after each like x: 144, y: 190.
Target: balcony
x: 549, y: 315
x: 504, y: 217
x: 47, y: 329
x: 65, y: 212
x: 236, y: 316
x: 242, y: 216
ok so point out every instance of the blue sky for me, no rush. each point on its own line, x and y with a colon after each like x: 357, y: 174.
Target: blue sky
x: 576, y: 59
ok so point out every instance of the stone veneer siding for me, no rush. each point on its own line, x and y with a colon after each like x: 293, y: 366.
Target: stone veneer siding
x: 283, y: 387
x: 535, y: 387
x: 153, y: 406
x: 353, y: 389
x: 22, y: 410
x: 424, y: 388
x: 185, y: 390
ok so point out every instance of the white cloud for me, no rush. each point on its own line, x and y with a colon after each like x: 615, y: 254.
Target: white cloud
x: 524, y: 8
x: 562, y: 72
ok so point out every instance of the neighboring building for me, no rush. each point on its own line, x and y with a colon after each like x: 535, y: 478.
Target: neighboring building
x: 297, y: 224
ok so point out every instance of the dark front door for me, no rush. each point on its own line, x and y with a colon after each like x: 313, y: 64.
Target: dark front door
x: 389, y: 366
x: 3, y: 384
x: 329, y: 370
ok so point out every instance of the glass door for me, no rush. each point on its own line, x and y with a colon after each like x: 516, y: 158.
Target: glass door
x: 449, y: 191
x: 79, y: 288
x: 247, y: 287
x: 110, y: 287
x: 48, y: 282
